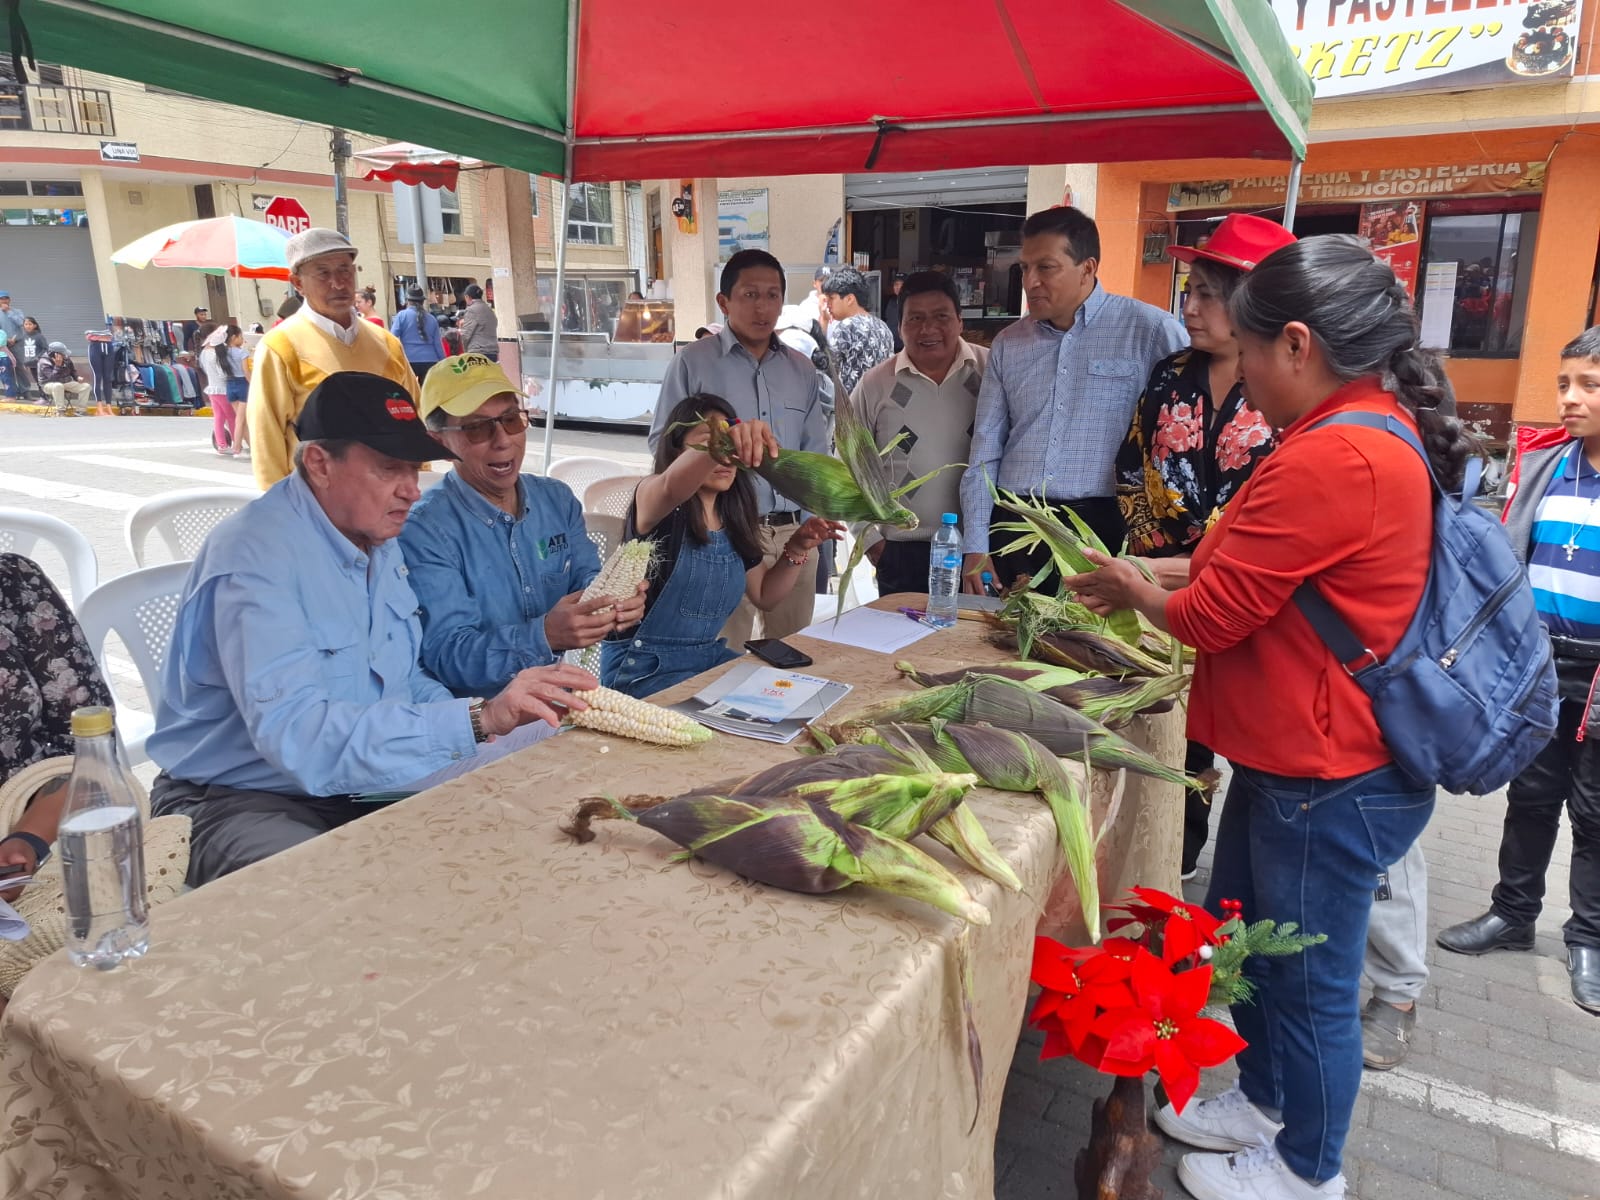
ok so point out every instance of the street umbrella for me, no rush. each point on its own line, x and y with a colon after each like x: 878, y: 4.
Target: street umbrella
x: 216, y: 246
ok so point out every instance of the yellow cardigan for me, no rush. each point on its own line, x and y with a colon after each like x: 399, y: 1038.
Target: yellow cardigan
x: 290, y: 361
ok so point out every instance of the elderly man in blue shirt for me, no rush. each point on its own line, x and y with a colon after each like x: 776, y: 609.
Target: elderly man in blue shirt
x: 1059, y: 393
x: 292, y: 697
x: 499, y: 559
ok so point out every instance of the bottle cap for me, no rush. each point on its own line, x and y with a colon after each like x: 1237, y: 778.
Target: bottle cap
x: 93, y: 721
x: 986, y: 577
x: 950, y: 519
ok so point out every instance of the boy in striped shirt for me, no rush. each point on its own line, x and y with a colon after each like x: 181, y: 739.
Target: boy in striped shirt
x: 1553, y: 519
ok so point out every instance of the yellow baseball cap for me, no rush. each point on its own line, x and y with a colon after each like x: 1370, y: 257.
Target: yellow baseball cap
x: 462, y: 384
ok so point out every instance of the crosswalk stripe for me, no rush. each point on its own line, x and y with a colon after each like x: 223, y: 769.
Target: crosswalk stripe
x: 171, y: 470
x: 55, y: 491
x: 81, y: 447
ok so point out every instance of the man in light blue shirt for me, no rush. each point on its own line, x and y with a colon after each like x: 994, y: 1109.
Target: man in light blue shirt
x: 498, y: 559
x: 1059, y: 393
x: 292, y: 687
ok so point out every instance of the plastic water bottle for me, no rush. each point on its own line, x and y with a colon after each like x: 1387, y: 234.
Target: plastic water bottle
x: 944, y: 572
x: 101, y: 840
x: 989, y: 586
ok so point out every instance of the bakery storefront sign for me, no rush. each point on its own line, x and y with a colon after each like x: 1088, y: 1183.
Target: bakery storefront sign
x: 1349, y: 47
x: 1379, y: 183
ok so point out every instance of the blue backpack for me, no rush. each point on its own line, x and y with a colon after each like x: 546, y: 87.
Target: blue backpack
x: 1468, y: 697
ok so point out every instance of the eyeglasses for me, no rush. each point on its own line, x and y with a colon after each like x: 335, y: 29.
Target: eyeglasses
x: 479, y: 432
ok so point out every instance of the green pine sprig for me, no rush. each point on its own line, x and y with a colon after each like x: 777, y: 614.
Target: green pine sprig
x: 1267, y: 938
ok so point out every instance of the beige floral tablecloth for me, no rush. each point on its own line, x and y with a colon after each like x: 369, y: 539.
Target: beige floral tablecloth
x: 450, y: 999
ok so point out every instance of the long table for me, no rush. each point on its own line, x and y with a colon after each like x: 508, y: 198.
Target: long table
x: 450, y: 999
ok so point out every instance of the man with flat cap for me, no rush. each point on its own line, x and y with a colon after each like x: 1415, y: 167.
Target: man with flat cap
x: 292, y: 695
x: 324, y: 336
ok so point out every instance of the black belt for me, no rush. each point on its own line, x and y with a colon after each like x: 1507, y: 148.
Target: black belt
x: 787, y: 516
x: 1582, y: 649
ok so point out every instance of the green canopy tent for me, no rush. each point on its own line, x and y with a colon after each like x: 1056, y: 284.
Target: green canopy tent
x: 617, y: 89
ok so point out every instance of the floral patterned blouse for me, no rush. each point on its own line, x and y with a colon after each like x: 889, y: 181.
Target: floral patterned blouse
x: 1185, y: 457
x: 46, y: 668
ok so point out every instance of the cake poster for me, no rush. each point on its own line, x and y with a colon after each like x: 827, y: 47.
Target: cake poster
x: 1358, y: 47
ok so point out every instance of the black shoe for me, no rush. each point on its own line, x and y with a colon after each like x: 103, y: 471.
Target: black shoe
x: 1486, y: 933
x: 1584, y: 964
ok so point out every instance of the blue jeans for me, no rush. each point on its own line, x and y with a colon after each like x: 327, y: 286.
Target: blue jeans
x: 1310, y: 851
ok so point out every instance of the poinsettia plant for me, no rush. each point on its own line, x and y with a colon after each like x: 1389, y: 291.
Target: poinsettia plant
x: 1134, y: 1003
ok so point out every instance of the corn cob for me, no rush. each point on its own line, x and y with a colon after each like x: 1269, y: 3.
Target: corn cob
x: 1015, y: 762
x: 804, y: 846
x: 1085, y: 650
x: 1110, y: 701
x: 623, y: 572
x: 613, y: 712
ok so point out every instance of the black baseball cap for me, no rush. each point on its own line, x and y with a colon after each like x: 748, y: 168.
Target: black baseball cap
x: 357, y: 406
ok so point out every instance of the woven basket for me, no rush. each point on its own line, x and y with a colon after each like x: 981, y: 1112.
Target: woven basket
x: 43, y: 903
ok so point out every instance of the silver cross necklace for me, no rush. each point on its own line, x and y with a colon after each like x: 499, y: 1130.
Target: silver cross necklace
x: 1571, y: 544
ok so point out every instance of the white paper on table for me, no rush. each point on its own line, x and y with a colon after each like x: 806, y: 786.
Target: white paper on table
x: 12, y: 927
x: 870, y: 629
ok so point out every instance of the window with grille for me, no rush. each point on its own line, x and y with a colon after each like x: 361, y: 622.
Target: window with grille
x: 589, y: 214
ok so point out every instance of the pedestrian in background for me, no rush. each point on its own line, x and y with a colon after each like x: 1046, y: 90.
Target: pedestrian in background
x: 31, y: 347
x: 891, y: 311
x: 239, y: 388
x: 479, y: 326
x: 216, y: 364
x: 367, y: 305
x: 858, y: 339
x: 1317, y: 809
x: 1551, y: 521
x: 10, y: 318
x: 418, y: 331
x: 10, y: 371
x: 59, y: 378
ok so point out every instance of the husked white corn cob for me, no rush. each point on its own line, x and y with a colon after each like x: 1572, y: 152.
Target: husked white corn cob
x: 623, y: 572
x: 612, y: 712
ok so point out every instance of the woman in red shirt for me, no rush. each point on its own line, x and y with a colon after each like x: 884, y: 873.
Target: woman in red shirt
x: 1317, y: 809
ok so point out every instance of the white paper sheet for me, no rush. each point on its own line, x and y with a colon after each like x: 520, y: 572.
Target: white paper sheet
x: 870, y: 629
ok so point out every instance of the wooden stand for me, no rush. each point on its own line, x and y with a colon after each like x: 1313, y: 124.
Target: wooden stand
x: 1122, y: 1153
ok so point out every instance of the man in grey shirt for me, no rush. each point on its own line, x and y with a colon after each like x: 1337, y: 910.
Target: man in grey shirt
x: 479, y: 326
x: 762, y: 379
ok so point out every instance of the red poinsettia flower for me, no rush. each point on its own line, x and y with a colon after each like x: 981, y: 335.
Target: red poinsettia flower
x: 1164, y: 1030
x: 1078, y: 984
x: 1184, y: 927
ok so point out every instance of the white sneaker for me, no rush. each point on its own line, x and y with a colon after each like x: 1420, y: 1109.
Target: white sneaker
x: 1225, y: 1122
x: 1255, y: 1174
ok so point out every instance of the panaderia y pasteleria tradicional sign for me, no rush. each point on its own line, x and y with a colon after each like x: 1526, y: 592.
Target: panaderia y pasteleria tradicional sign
x: 1378, y: 183
x: 1363, y: 46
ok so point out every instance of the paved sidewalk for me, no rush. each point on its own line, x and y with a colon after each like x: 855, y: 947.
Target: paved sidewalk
x: 1499, y: 1099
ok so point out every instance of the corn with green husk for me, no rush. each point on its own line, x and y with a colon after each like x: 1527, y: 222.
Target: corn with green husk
x: 852, y: 485
x: 1110, y: 701
x: 623, y: 572
x: 1039, y: 524
x: 1088, y: 651
x: 899, y: 793
x: 613, y: 712
x: 1013, y: 762
x: 1007, y: 704
x: 794, y: 843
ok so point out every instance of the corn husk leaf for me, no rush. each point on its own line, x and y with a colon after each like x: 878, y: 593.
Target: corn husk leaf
x: 913, y: 708
x: 804, y: 846
x: 1085, y: 650
x: 1063, y: 731
x: 1039, y: 524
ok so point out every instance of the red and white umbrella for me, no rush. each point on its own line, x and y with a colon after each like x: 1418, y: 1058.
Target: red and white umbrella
x: 418, y: 166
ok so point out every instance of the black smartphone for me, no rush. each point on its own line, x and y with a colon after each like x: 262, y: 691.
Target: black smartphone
x: 778, y: 653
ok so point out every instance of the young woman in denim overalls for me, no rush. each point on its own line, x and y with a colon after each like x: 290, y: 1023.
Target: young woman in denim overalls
x: 700, y: 510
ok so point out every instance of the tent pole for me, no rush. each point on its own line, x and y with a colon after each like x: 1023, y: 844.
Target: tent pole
x: 559, y: 222
x: 418, y: 255
x: 1291, y: 200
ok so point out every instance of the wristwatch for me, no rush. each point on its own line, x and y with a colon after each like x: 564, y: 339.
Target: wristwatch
x: 475, y: 715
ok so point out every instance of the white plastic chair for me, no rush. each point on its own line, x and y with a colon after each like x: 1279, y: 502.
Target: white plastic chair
x: 579, y: 471
x: 141, y: 608
x: 610, y: 496
x: 183, y: 519
x: 605, y: 531
x: 22, y: 529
